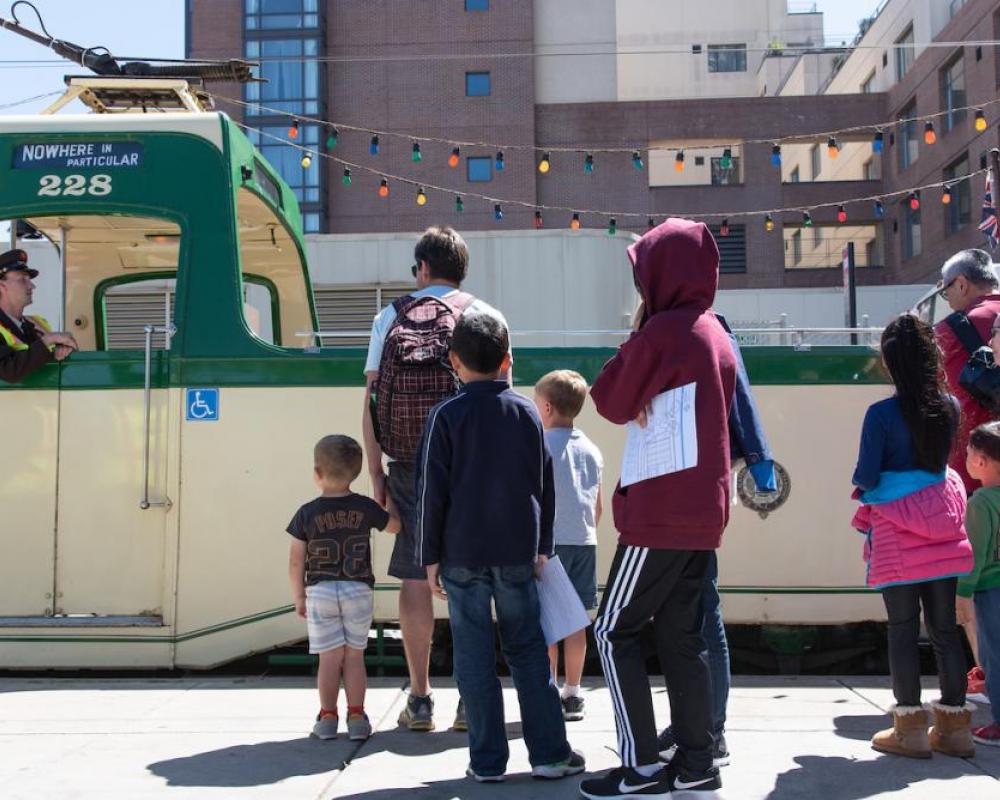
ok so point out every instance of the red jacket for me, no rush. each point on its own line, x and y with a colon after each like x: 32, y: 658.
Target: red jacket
x: 982, y: 313
x: 676, y: 269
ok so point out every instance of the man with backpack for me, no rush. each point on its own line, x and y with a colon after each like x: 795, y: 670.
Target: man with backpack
x: 969, y: 285
x: 407, y: 373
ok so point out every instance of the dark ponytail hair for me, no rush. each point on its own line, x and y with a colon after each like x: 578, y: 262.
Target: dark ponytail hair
x: 910, y: 352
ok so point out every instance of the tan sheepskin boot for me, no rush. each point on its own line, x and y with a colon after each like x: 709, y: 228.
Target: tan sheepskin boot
x: 908, y: 734
x: 951, y: 733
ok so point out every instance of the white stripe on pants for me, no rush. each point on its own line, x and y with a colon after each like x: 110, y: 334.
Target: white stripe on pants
x: 619, y: 595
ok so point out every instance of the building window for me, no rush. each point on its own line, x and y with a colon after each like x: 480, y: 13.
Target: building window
x: 958, y: 213
x: 911, y: 232
x: 479, y: 170
x: 815, y: 161
x: 286, y: 37
x: 732, y: 248
x: 907, y: 146
x: 870, y: 170
x: 727, y: 58
x: 477, y: 5
x: 797, y: 248
x: 794, y: 177
x: 728, y: 176
x: 904, y: 53
x: 477, y: 84
x: 869, y: 82
x: 292, y: 83
x: 953, y: 92
x: 281, y: 14
x: 954, y: 7
x: 818, y: 235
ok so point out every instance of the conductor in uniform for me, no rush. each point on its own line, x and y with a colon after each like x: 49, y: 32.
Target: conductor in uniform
x: 27, y: 343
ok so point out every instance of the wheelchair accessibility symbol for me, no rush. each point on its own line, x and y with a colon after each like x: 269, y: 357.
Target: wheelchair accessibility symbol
x: 202, y: 405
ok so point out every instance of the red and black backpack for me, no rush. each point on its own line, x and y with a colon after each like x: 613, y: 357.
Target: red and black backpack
x: 414, y: 373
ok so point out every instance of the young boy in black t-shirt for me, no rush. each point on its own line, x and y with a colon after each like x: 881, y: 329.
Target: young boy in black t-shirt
x: 330, y: 569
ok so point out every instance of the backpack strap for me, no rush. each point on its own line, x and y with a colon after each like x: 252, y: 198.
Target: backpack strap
x: 965, y: 331
x: 459, y: 302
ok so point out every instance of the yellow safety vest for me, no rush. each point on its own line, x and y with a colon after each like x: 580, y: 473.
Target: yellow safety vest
x: 11, y: 339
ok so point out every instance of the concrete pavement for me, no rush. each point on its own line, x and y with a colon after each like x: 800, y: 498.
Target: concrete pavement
x: 247, y: 738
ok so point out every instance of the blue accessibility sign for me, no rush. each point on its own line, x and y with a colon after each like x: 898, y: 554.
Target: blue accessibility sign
x: 202, y: 405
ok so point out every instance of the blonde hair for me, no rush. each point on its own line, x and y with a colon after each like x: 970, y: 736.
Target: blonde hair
x: 565, y: 389
x: 338, y: 457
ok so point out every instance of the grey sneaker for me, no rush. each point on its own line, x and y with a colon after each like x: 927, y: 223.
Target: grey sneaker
x: 573, y: 765
x: 358, y: 728
x: 667, y: 746
x: 326, y: 727
x: 484, y: 778
x: 418, y: 714
x: 572, y: 708
x: 461, y: 723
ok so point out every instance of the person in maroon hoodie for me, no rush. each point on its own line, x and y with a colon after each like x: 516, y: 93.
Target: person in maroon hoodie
x: 670, y: 524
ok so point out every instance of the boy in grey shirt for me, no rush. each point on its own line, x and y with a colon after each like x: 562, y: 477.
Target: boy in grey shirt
x: 577, y: 464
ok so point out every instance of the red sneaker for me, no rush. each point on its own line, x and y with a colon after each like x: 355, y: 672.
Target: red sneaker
x: 988, y: 735
x: 976, y: 689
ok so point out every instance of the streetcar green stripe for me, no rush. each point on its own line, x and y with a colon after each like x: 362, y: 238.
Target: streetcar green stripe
x: 768, y: 366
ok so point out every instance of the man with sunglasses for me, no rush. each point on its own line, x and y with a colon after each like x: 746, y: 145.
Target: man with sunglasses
x: 970, y: 287
x: 442, y: 263
x: 27, y: 343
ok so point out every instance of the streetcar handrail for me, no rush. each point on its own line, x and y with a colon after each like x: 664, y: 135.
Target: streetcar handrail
x: 169, y: 330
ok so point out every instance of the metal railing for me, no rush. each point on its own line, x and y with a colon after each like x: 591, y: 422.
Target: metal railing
x: 147, y: 392
x: 776, y: 334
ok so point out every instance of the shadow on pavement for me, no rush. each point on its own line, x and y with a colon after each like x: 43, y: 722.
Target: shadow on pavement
x: 269, y: 762
x: 849, y: 779
x: 861, y: 727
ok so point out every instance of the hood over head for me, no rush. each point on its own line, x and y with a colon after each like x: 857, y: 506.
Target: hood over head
x: 676, y: 265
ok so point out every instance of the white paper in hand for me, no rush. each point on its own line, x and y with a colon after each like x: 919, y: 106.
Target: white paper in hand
x: 561, y: 608
x: 668, y: 443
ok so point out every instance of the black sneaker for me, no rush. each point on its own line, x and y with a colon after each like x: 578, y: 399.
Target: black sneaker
x: 626, y: 782
x: 667, y: 746
x: 679, y: 779
x: 418, y: 713
x: 572, y: 708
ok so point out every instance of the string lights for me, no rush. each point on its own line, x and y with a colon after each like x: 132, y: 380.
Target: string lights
x: 980, y: 124
x: 373, y: 145
x: 776, y: 155
x: 331, y: 139
x: 832, y: 147
x: 679, y: 161
x: 455, y: 156
x: 416, y: 157
x: 930, y: 137
x: 538, y: 220
x: 588, y: 164
x: 911, y: 195
x: 545, y: 164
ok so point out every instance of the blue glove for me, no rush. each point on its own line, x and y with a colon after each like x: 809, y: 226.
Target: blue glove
x: 764, y: 477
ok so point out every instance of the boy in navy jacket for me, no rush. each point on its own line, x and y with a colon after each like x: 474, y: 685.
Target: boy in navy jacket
x: 485, y: 508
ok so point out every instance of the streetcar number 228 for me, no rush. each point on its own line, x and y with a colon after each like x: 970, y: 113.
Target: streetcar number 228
x: 74, y: 185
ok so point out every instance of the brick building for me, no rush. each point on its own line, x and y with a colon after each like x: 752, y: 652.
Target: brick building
x: 541, y: 73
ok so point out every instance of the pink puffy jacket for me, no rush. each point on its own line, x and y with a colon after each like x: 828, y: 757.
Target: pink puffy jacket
x: 919, y: 537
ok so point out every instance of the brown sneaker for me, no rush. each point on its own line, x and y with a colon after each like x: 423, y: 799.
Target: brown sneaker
x: 952, y: 731
x: 908, y: 734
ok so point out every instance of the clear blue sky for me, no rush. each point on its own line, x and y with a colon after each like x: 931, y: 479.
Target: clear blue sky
x: 149, y: 28
x: 156, y: 28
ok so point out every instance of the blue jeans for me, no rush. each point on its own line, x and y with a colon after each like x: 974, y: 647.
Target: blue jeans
x: 513, y: 591
x: 988, y: 634
x: 714, y: 633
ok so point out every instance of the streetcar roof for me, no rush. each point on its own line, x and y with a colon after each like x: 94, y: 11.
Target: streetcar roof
x: 206, y: 126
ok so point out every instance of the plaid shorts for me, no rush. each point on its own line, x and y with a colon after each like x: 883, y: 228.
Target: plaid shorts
x: 339, y: 613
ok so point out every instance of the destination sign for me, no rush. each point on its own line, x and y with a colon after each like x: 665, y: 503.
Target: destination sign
x: 78, y: 155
